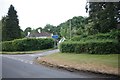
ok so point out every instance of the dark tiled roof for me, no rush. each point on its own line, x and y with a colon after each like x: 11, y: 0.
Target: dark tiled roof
x: 37, y: 34
x: 45, y: 34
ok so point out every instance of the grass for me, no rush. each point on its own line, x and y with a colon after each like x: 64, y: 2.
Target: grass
x: 24, y: 52
x: 105, y: 63
x: 106, y: 59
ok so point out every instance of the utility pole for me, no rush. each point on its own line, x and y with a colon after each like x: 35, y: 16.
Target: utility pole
x: 70, y: 30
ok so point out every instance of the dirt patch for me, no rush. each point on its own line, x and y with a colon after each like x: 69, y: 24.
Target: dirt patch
x: 91, y: 67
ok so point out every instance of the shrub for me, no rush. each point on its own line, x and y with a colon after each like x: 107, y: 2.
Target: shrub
x: 27, y: 44
x: 78, y: 38
x: 93, y: 47
x: 99, y: 43
x: 7, y: 46
x: 111, y: 35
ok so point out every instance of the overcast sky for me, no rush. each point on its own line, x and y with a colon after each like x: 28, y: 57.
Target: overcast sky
x: 38, y: 13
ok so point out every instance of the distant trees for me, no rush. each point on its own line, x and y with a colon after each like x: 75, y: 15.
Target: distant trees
x: 50, y: 28
x: 105, y: 15
x: 73, y: 26
x: 28, y: 29
x: 10, y: 25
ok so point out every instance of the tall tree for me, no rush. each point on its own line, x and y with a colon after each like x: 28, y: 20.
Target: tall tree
x: 11, y: 29
x: 105, y: 15
x: 77, y: 24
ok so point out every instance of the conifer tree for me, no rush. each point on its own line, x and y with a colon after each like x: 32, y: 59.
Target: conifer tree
x: 10, y: 25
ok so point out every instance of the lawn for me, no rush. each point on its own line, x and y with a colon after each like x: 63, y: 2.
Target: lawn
x: 107, y: 63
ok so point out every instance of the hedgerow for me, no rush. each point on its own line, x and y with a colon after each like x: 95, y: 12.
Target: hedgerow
x: 111, y: 35
x: 93, y: 47
x: 28, y: 44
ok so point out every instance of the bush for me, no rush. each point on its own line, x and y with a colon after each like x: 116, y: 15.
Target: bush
x: 78, y: 38
x: 27, y: 44
x: 116, y: 34
x: 93, y: 47
x: 94, y: 44
x: 111, y: 35
x: 7, y: 46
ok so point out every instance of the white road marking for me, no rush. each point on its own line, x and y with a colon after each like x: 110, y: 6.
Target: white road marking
x: 21, y: 60
x: 31, y: 55
x: 14, y: 58
x: 31, y: 62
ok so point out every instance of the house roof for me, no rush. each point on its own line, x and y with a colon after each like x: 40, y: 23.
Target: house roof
x: 37, y: 34
x: 45, y: 34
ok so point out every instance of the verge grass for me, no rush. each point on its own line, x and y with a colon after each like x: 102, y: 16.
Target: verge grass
x: 106, y: 63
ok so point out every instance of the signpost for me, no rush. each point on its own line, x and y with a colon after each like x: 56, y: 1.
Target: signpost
x: 55, y: 37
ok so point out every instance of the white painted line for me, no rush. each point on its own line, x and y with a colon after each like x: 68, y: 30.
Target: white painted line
x: 21, y: 60
x: 31, y: 55
x: 25, y: 61
x: 18, y: 59
x: 30, y: 62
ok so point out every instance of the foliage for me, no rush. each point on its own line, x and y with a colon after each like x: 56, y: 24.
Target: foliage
x: 63, y: 29
x: 93, y: 47
x: 98, y: 43
x: 28, y: 29
x: 105, y: 15
x: 10, y: 25
x: 39, y: 29
x: 111, y: 35
x: 50, y: 28
x: 7, y: 46
x: 75, y: 23
x: 27, y: 44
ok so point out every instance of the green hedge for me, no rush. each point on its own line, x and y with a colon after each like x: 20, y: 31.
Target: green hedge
x: 93, y: 47
x: 28, y: 44
x: 111, y: 35
x: 7, y: 46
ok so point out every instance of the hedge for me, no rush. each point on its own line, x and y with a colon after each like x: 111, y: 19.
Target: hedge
x: 28, y: 44
x: 110, y: 35
x: 93, y: 47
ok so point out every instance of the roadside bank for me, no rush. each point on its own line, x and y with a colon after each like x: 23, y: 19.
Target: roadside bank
x: 83, y: 64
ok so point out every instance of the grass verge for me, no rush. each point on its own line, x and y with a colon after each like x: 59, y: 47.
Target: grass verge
x: 25, y: 52
x: 101, y: 63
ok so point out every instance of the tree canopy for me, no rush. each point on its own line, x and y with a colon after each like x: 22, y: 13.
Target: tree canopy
x: 28, y: 29
x: 10, y: 25
x: 50, y: 28
x: 72, y: 25
x: 105, y: 15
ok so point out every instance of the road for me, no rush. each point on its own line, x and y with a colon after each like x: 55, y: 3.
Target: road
x: 23, y: 66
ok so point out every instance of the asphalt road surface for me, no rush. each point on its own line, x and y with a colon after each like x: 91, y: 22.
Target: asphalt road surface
x: 23, y: 66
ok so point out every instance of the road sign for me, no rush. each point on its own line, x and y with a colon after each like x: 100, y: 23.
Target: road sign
x: 55, y: 36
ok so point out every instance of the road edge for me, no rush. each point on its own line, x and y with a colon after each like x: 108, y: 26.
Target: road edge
x: 71, y: 69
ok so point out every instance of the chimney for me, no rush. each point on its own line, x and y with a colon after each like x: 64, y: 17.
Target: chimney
x: 39, y: 30
x: 28, y: 34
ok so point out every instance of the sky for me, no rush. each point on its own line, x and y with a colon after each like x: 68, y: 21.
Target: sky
x: 38, y: 13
